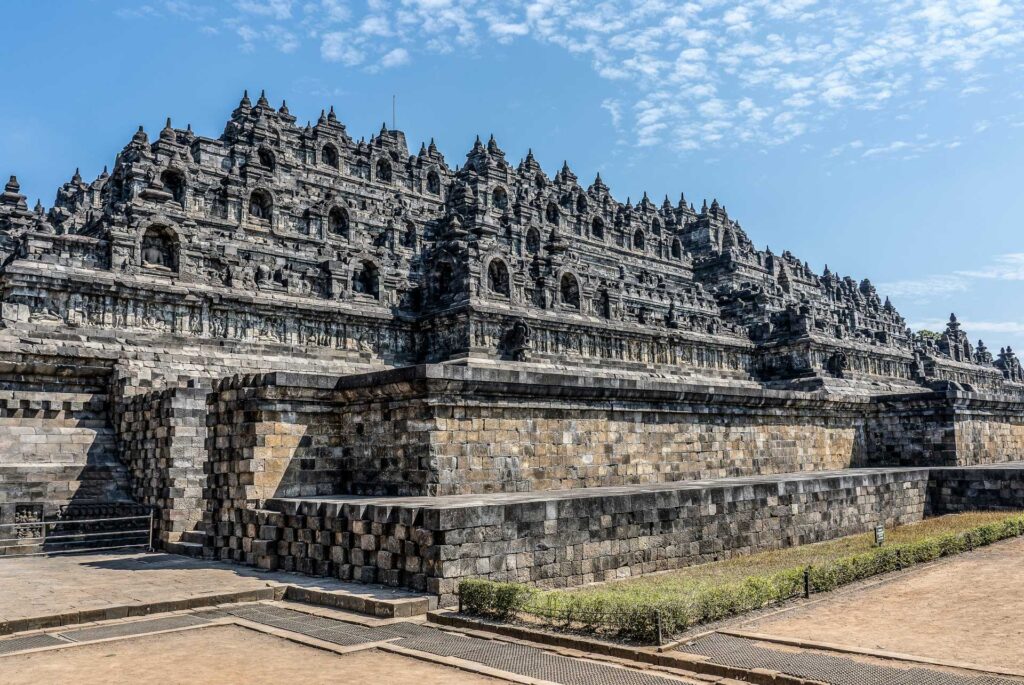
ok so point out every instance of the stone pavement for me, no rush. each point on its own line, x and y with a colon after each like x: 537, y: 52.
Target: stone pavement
x: 58, y: 590
x: 331, y: 632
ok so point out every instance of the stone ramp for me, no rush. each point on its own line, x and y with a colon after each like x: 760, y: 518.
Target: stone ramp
x: 816, y: 665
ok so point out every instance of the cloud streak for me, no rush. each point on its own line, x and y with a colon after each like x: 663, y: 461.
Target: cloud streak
x: 1005, y: 267
x: 694, y: 75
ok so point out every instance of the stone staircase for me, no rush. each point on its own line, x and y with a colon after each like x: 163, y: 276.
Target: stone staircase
x: 190, y: 544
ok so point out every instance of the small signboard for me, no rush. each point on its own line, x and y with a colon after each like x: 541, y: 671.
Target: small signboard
x: 879, y: 535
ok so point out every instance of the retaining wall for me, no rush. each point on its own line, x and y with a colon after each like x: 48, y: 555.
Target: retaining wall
x: 566, y: 538
x: 991, y: 488
x: 161, y: 439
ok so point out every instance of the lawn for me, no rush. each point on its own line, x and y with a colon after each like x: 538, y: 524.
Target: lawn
x: 662, y: 604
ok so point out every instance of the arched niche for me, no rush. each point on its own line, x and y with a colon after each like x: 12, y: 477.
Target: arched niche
x: 532, y: 240
x: 433, y: 183
x: 498, y: 281
x: 499, y: 198
x: 366, y: 280
x: 173, y: 182
x: 338, y: 222
x: 261, y: 205
x: 569, y: 291
x: 267, y: 159
x: 159, y: 248
x: 382, y: 172
x: 409, y: 236
x: 639, y: 241
x: 551, y: 213
x: 329, y: 156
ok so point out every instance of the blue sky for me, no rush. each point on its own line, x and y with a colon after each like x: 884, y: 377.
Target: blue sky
x: 882, y: 138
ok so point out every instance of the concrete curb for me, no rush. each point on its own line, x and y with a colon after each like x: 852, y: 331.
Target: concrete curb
x: 134, y: 610
x: 677, y: 660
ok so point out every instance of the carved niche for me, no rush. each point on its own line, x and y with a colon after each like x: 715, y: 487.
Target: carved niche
x: 159, y: 248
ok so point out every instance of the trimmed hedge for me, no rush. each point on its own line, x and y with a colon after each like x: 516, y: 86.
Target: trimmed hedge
x: 646, y: 619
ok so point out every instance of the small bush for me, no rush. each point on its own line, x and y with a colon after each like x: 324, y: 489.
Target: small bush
x: 677, y: 601
x: 500, y: 600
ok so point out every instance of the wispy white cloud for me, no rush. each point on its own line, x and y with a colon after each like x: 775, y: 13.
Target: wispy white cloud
x: 925, y: 289
x: 1004, y: 267
x: 395, y: 58
x: 972, y: 326
x: 614, y: 109
x: 1007, y: 267
x: 338, y: 47
x: 694, y: 75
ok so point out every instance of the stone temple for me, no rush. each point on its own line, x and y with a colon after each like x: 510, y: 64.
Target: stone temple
x: 313, y: 353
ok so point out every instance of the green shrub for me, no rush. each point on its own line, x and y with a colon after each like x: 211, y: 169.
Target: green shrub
x: 500, y: 600
x: 633, y: 609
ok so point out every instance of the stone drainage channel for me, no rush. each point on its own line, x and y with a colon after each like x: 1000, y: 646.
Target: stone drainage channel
x: 515, y: 658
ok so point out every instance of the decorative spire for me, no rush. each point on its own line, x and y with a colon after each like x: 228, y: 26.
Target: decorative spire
x: 331, y: 116
x: 432, y: 148
x: 168, y: 131
x: 140, y: 136
x: 284, y: 107
x: 263, y: 102
x: 493, y: 149
x: 12, y: 185
x: 77, y: 178
x: 105, y: 173
x: 245, y: 103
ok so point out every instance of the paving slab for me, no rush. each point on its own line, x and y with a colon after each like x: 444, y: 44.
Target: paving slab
x: 42, y: 592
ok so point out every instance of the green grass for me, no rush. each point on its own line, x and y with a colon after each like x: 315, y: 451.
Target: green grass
x: 680, y: 599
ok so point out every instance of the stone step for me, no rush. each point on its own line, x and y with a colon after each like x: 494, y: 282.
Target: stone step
x: 188, y: 549
x: 197, y: 537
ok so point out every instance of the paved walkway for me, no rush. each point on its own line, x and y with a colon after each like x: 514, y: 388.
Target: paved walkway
x: 108, y: 585
x: 957, y: 621
x: 182, y: 653
x: 965, y: 609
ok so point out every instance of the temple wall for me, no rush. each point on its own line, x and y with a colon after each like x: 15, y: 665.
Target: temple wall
x: 912, y: 430
x: 56, y: 445
x: 963, y: 489
x: 442, y: 430
x: 162, y: 438
x: 445, y: 430
x: 990, y: 433
x: 64, y: 438
x: 564, y: 539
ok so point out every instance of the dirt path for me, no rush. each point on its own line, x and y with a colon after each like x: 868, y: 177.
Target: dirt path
x: 225, y: 654
x: 968, y: 609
